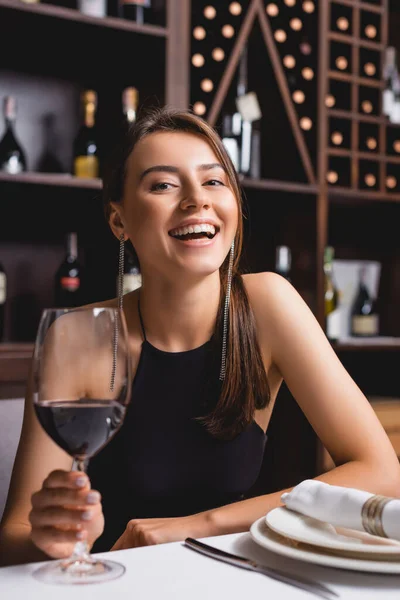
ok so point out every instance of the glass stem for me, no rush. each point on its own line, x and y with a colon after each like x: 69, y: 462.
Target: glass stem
x: 80, y: 552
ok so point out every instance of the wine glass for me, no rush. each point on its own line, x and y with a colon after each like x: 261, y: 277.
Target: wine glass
x: 81, y: 389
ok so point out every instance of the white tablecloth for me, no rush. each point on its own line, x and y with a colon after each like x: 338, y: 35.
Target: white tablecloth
x: 174, y: 572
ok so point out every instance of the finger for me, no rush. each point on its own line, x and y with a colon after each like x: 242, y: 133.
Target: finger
x: 44, y: 536
x: 65, y: 497
x: 67, y: 479
x: 55, y: 516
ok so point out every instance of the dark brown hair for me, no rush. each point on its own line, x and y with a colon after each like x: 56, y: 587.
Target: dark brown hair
x: 245, y: 387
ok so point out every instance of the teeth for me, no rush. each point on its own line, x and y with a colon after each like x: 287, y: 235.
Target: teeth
x: 198, y: 228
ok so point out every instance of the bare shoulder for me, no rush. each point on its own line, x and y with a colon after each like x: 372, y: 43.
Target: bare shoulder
x: 267, y: 291
x: 282, y: 317
x: 262, y: 282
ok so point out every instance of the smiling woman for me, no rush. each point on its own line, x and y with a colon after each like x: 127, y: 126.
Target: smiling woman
x: 210, y: 348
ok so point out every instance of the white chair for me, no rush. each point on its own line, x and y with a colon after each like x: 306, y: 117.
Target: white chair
x: 11, y: 414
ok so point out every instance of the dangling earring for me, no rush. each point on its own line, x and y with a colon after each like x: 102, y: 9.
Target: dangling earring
x: 121, y: 269
x: 120, y: 305
x: 226, y: 312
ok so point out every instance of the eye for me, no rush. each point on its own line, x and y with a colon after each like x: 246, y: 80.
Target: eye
x: 160, y: 187
x: 214, y: 182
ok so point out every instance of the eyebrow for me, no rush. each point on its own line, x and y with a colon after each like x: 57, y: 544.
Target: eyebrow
x: 171, y: 169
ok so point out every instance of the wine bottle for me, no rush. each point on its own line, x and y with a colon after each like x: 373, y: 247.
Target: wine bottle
x: 12, y: 156
x: 364, y: 317
x: 236, y: 139
x: 389, y: 69
x: 86, y: 160
x: 249, y: 112
x: 3, y: 297
x: 331, y: 297
x: 231, y: 128
x: 135, y: 10
x: 68, y: 278
x: 283, y: 261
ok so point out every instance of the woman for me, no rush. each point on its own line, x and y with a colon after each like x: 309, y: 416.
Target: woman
x: 206, y: 377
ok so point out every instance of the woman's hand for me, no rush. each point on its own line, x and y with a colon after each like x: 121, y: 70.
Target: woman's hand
x: 65, y: 511
x: 148, y: 532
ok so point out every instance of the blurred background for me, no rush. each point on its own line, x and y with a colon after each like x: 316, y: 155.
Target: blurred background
x: 306, y: 96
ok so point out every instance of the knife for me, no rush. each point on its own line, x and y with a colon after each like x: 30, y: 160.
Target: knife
x: 245, y: 563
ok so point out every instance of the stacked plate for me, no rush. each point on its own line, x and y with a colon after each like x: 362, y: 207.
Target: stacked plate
x: 303, y: 538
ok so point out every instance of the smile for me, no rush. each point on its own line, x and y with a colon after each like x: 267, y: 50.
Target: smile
x: 194, y: 232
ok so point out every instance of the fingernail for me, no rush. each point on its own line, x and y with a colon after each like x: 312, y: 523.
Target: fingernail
x: 80, y: 481
x: 93, y: 498
x: 87, y: 515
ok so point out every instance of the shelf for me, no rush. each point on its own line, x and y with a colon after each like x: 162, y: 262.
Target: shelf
x: 374, y: 156
x: 335, y: 192
x: 281, y: 186
x: 62, y: 179
x: 350, y: 78
x: 348, y: 39
x: 361, y: 5
x: 367, y: 344
x: 70, y: 14
x: 345, y: 114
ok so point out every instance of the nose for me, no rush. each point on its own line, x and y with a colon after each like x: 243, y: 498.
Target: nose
x: 195, y: 197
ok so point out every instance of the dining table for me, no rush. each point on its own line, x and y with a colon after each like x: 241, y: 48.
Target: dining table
x: 173, y: 571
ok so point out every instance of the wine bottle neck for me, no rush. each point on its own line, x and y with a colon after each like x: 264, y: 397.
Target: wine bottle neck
x: 89, y: 117
x: 72, y: 245
x: 9, y: 123
x: 242, y: 80
x: 129, y: 104
x: 283, y: 259
x: 89, y: 104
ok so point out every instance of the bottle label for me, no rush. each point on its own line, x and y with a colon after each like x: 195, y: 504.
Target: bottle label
x: 333, y: 325
x: 70, y: 284
x: 232, y: 148
x: 365, y: 325
x: 13, y: 165
x: 86, y: 166
x: 3, y: 288
x: 388, y: 102
x: 144, y: 3
x: 131, y: 282
x: 93, y: 8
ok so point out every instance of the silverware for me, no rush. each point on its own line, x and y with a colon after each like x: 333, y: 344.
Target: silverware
x: 245, y: 563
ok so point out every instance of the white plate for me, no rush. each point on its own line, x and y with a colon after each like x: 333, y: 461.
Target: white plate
x: 307, y: 530
x: 268, y: 539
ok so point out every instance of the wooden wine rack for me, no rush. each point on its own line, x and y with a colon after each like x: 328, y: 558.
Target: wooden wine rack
x: 356, y: 82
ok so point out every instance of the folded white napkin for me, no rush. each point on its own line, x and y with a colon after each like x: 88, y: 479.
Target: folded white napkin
x: 339, y: 506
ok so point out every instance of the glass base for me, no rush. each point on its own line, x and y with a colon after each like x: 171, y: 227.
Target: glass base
x: 79, y: 571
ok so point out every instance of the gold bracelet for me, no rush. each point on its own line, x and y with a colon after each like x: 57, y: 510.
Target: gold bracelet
x: 371, y: 514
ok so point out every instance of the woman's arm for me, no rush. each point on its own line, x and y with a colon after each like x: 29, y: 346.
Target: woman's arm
x: 336, y: 408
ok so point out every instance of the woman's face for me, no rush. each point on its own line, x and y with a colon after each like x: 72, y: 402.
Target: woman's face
x: 178, y: 208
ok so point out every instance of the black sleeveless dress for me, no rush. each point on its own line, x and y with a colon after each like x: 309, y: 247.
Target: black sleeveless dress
x: 163, y: 462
